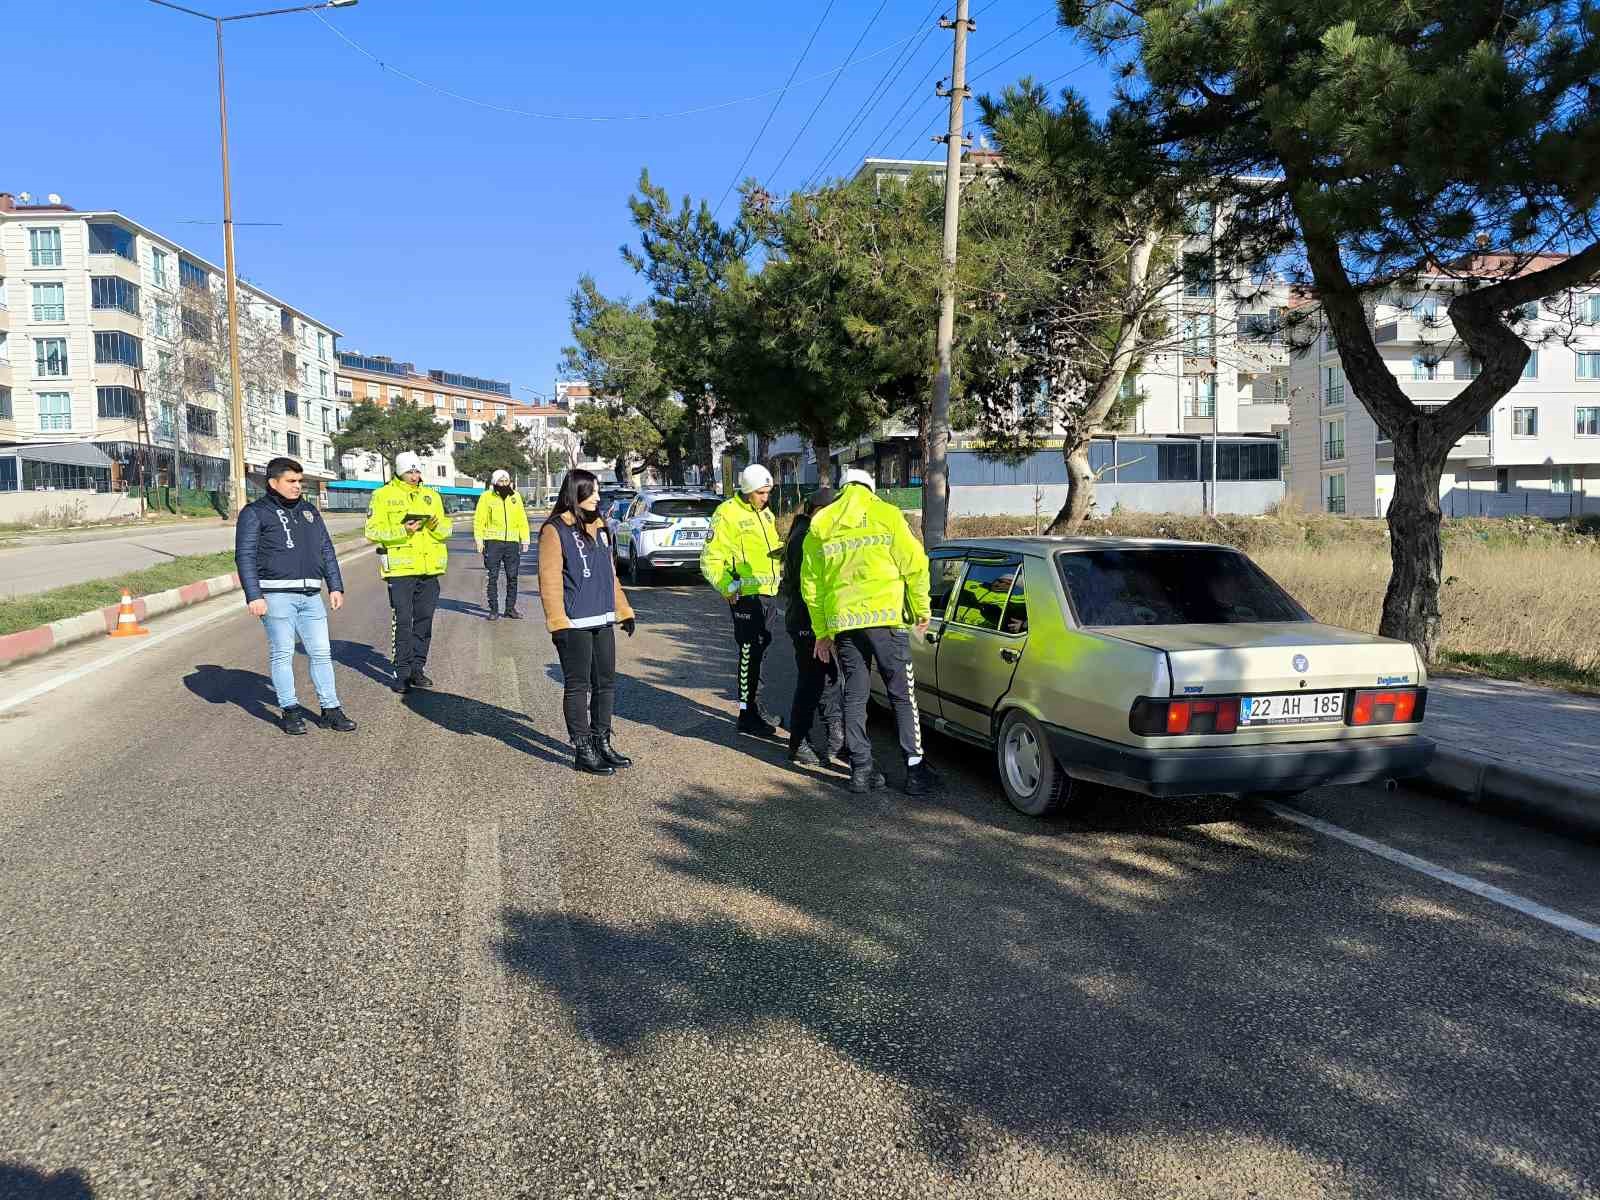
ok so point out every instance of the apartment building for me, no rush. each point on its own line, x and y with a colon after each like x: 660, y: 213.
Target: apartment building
x: 468, y: 403
x: 1537, y: 452
x: 113, y: 335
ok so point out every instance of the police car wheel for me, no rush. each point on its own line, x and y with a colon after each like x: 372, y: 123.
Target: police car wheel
x: 637, y: 571
x: 1033, y: 780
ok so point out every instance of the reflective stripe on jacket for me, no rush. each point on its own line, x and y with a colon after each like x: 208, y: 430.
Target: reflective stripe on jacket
x: 500, y: 519
x: 744, y: 552
x: 421, y: 553
x: 862, y: 568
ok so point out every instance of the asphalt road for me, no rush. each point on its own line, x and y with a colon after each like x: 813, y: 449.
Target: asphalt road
x: 428, y: 960
x: 37, y: 566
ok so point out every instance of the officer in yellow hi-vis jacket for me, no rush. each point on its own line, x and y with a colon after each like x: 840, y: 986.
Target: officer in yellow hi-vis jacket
x: 743, y: 560
x: 411, y: 528
x: 864, y: 578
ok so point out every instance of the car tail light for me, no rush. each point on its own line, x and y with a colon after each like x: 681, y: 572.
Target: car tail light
x: 1400, y: 707
x: 1176, y: 718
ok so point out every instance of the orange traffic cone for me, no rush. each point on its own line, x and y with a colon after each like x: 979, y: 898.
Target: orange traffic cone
x: 128, y: 620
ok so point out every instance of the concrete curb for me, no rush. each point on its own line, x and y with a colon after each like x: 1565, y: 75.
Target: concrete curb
x: 1527, y: 793
x: 42, y: 639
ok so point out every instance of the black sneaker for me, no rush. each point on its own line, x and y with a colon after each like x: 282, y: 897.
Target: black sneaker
x: 920, y: 779
x: 751, y: 723
x: 494, y: 616
x: 400, y: 686
x: 334, y: 718
x: 866, y: 779
x: 294, y: 719
x: 418, y: 679
x: 804, y: 756
x: 513, y: 615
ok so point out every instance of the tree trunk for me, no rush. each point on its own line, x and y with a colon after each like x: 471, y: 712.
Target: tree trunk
x: 1080, y: 488
x: 763, y: 448
x: 823, y: 452
x: 1416, y: 551
x: 674, y: 464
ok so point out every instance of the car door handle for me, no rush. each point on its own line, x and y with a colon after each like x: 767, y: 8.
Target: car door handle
x: 930, y: 637
x: 1011, y: 656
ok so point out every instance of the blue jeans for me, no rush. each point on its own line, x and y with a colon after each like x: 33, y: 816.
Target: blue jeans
x: 290, y: 614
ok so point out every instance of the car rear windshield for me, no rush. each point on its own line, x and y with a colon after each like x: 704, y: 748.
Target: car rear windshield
x: 1172, y: 585
x: 683, y: 508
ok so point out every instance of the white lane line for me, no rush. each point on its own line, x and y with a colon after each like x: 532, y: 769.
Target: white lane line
x: 484, y: 1097
x: 100, y: 664
x: 1487, y: 891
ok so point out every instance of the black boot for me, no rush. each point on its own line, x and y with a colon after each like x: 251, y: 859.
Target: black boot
x: 802, y: 755
x: 586, y: 758
x: 334, y: 718
x: 750, y: 722
x: 836, y: 744
x: 609, y: 753
x: 865, y: 779
x: 920, y: 779
x: 294, y: 719
x: 419, y: 680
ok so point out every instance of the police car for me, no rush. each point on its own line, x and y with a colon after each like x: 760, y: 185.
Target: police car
x: 664, y: 530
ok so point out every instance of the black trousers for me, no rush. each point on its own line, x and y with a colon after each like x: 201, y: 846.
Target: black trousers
x: 412, y: 599
x: 816, y: 689
x: 589, y: 673
x: 753, y: 618
x: 890, y: 648
x: 498, y: 556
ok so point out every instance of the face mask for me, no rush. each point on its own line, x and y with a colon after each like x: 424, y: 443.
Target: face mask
x: 503, y: 488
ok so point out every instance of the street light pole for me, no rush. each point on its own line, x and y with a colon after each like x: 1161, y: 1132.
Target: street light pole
x: 236, y: 382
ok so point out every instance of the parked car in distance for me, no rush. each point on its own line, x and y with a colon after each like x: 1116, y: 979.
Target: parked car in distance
x: 1160, y: 667
x: 664, y: 530
x: 612, y: 513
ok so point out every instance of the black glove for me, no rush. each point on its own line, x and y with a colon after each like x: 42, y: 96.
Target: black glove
x: 627, y: 626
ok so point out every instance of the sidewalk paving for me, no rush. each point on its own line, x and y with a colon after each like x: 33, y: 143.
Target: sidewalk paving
x: 1527, y: 750
x: 40, y: 566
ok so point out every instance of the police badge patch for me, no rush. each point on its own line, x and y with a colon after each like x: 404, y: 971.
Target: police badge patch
x: 308, y: 515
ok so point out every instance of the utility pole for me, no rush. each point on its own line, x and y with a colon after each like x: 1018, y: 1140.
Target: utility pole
x: 936, y: 469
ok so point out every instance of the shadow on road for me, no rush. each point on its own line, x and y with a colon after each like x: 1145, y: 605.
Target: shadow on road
x: 364, y: 660
x: 18, y: 1182
x: 464, y: 715
x: 1183, y: 992
x: 250, y: 690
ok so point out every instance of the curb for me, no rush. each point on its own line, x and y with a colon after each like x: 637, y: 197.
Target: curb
x: 1538, y: 797
x: 42, y: 639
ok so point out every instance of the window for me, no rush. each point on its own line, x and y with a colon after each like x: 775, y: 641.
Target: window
x: 327, y: 458
x: 274, y: 441
x: 1171, y: 585
x: 163, y: 318
x: 324, y: 383
x: 1260, y: 327
x: 1249, y: 460
x: 1588, y: 365
x: 1424, y: 367
x: 55, y: 411
x: 1335, y: 493
x: 1531, y: 371
x: 1484, y: 425
x: 441, y: 472
x: 1561, y: 480
x: 372, y: 391
x: 1589, y: 309
x: 114, y: 346
x: 322, y: 345
x: 200, y: 421
x: 1200, y: 396
x: 1177, y: 461
x: 1197, y: 218
x: 291, y: 404
x: 982, y: 600
x: 109, y: 291
x: 49, y: 302
x: 50, y: 357
x: 1588, y: 422
x: 1329, y: 342
x: 291, y: 443
x: 327, y: 420
x: 397, y: 395
x: 1524, y: 422
x: 461, y: 426
x: 1015, y: 620
x: 192, y: 274
x: 1280, y: 389
x: 1468, y: 368
x: 305, y: 376
x: 1502, y: 481
x: 1199, y: 275
x: 1333, y: 440
x: 1200, y: 336
x: 1429, y: 308
x: 5, y: 404
x: 111, y: 239
x: 44, y: 247
x: 461, y: 404
x: 117, y: 403
x: 195, y: 325
x: 942, y: 575
x: 158, y: 267
x: 8, y: 472
x: 1332, y: 387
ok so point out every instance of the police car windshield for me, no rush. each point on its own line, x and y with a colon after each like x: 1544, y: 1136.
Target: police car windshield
x: 1172, y: 585
x: 683, y: 508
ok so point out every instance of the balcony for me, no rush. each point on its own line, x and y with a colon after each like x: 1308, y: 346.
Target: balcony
x: 1472, y: 450
x: 1408, y: 329
x: 1332, y: 451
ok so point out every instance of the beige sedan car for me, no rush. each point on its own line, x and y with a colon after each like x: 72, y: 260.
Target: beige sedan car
x: 1165, y: 668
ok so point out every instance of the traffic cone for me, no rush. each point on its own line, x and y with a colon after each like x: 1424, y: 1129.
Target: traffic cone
x: 128, y: 620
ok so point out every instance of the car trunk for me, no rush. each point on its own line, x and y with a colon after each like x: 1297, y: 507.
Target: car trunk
x: 1290, y: 656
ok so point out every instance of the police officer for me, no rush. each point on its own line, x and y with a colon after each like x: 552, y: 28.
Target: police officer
x: 864, y: 578
x: 411, y: 529
x: 284, y: 555
x: 500, y: 528
x: 742, y: 560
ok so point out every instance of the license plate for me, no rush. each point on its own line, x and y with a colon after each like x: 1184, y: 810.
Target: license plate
x: 689, y: 535
x: 1310, y: 708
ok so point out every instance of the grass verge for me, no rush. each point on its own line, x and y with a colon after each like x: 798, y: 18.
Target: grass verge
x: 26, y: 612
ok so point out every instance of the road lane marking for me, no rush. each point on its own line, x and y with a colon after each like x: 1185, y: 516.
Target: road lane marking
x: 484, y: 1096
x: 1487, y: 891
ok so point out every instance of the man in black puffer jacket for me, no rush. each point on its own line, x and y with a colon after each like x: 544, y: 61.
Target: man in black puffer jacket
x: 285, y: 555
x: 817, y: 683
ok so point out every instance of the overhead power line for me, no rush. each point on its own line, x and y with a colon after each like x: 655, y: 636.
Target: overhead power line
x: 927, y: 131
x: 597, y: 118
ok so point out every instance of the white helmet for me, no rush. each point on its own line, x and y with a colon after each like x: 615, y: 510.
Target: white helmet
x: 753, y: 478
x: 856, y: 475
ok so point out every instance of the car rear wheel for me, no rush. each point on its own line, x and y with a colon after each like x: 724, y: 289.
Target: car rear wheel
x: 1034, y: 782
x: 638, y: 573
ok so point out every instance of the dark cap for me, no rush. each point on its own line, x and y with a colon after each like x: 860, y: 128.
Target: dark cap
x: 820, y: 498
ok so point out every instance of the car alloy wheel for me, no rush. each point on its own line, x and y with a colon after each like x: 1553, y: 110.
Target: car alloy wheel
x: 1034, y: 782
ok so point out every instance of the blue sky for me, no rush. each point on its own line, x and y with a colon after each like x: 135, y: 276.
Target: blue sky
x: 442, y: 232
